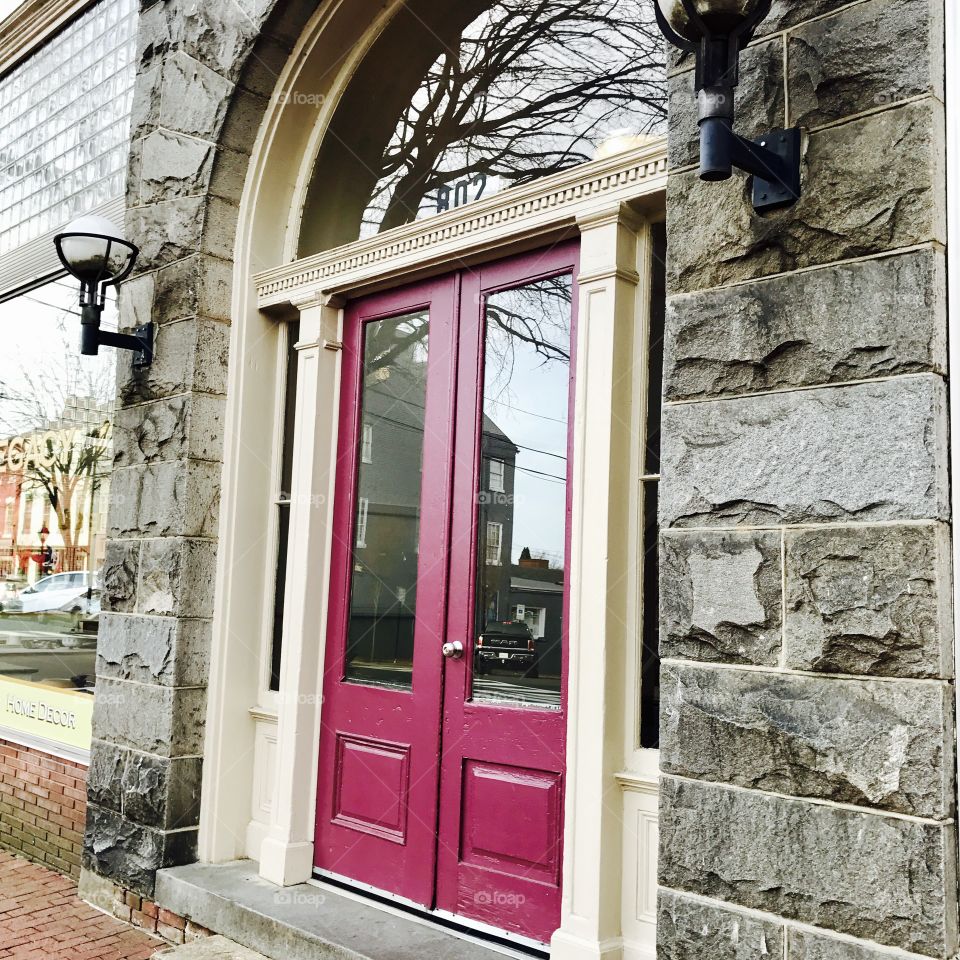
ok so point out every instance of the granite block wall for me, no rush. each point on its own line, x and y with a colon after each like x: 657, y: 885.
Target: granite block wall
x: 807, y: 704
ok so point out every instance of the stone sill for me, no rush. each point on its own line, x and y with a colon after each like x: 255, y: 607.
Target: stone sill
x: 306, y: 921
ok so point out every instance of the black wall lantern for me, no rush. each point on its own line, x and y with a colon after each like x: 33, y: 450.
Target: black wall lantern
x: 95, y: 252
x: 715, y: 31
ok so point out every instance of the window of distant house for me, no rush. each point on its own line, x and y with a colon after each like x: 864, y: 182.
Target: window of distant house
x: 366, y: 449
x: 362, y: 513
x: 494, y: 543
x: 496, y: 476
x: 486, y: 96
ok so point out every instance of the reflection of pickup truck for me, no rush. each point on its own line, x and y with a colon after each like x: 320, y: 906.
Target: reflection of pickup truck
x: 508, y: 644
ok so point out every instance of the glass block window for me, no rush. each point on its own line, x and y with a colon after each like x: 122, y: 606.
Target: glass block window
x: 65, y: 124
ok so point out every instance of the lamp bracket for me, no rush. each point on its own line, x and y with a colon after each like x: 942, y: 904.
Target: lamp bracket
x: 772, y: 159
x: 140, y: 342
x: 783, y: 189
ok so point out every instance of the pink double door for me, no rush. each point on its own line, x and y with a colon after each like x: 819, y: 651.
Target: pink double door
x: 441, y: 774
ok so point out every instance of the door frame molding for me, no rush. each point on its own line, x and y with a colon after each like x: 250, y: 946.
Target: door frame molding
x: 609, y: 204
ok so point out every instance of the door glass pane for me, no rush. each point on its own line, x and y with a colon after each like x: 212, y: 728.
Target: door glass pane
x: 522, y: 496
x: 386, y: 534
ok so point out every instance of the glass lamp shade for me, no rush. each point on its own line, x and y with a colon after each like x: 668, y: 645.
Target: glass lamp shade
x: 719, y: 16
x: 94, y: 250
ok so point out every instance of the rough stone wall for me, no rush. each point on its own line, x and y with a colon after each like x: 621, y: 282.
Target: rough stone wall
x: 807, y: 720
x: 205, y: 71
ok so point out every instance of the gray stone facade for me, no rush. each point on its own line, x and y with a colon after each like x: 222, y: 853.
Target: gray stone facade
x: 808, y: 730
x: 807, y: 718
x: 204, y: 73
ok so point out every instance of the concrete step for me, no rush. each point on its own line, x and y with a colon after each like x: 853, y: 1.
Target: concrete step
x: 210, y: 948
x: 307, y: 921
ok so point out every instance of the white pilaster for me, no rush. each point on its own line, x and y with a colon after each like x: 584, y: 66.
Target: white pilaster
x: 286, y: 855
x: 600, y: 581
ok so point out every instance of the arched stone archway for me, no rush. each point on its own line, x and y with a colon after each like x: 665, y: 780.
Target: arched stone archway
x: 214, y: 82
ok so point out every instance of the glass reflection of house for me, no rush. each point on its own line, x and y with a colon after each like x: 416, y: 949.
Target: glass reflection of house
x: 495, y: 518
x: 386, y: 533
x: 536, y: 598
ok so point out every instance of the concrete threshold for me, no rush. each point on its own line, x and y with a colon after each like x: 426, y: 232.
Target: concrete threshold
x: 306, y: 921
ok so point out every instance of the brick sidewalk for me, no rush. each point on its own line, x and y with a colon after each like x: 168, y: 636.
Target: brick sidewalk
x: 41, y: 918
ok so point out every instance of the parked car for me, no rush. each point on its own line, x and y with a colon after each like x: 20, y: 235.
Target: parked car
x: 58, y: 591
x: 508, y: 644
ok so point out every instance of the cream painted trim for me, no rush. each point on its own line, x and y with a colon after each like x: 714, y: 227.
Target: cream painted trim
x: 484, y: 227
x: 600, y: 200
x: 598, y: 865
x: 31, y: 24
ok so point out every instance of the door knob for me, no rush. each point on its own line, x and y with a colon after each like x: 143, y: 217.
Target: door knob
x: 453, y: 650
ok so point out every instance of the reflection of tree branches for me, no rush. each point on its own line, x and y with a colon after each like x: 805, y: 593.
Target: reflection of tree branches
x: 536, y: 315
x: 70, y: 462
x: 528, y: 92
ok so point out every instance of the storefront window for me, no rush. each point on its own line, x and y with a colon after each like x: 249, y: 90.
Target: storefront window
x: 56, y: 419
x: 65, y: 124
x: 485, y: 96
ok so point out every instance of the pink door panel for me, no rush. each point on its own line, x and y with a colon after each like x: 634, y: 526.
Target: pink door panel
x: 504, y: 719
x: 442, y: 778
x: 380, y: 731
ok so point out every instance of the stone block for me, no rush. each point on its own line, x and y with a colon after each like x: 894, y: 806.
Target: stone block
x: 121, y: 568
x: 136, y: 301
x: 152, y: 432
x: 229, y: 175
x: 177, y: 577
x: 170, y: 429
x: 689, y: 929
x: 267, y: 63
x: 870, y: 600
x: 218, y: 34
x: 220, y: 228
x: 872, y: 185
x: 867, y: 452
x: 158, y: 650
x: 190, y: 354
x: 166, y: 231
x: 852, y: 321
x: 195, y: 98
x: 174, y: 166
x: 869, y: 743
x: 166, y: 721
x: 162, y: 792
x: 789, y: 13
x: 721, y: 596
x: 807, y: 945
x: 170, y: 498
x: 868, y: 56
x: 876, y: 877
x: 760, y: 101
x: 105, y: 774
x: 130, y: 853
x: 243, y: 121
x: 147, y: 94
